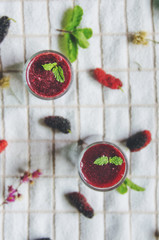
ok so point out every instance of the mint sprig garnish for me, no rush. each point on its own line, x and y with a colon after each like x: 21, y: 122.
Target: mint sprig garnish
x: 75, y: 18
x: 81, y: 39
x: 101, y: 161
x: 73, y: 36
x: 105, y: 160
x: 116, y: 160
x: 57, y: 71
x: 49, y: 66
x: 123, y: 188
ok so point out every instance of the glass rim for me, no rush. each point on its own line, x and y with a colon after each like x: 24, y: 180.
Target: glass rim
x: 25, y: 81
x: 98, y: 188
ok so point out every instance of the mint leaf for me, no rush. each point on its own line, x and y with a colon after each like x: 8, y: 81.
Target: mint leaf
x: 87, y: 32
x: 104, y: 160
x: 49, y: 66
x: 58, y: 73
x: 101, y: 161
x: 82, y: 40
x: 128, y: 183
x: 72, y: 49
x: 75, y: 18
x: 122, y: 189
x: 116, y: 160
x: 67, y: 17
x: 73, y: 36
x: 133, y: 186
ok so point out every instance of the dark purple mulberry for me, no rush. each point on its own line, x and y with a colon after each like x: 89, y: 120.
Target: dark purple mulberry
x: 57, y: 122
x: 4, y: 26
x: 79, y: 201
x: 139, y: 140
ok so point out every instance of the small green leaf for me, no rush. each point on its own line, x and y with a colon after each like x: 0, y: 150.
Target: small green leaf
x: 116, y: 160
x: 67, y: 17
x: 75, y: 19
x: 101, y: 161
x: 122, y: 189
x: 58, y: 73
x: 133, y: 186
x: 49, y: 66
x: 71, y: 47
x: 87, y: 32
x: 82, y: 40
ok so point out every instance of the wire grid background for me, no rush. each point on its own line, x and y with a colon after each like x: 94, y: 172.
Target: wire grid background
x: 92, y: 109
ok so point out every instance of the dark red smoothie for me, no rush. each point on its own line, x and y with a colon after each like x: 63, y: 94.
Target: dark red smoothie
x: 105, y: 176
x: 43, y: 83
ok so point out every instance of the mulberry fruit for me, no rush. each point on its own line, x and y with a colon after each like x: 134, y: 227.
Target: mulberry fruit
x: 79, y: 201
x: 138, y: 141
x: 57, y: 122
x: 4, y: 26
x: 107, y: 79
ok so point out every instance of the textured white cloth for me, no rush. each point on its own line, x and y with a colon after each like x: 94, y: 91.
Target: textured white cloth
x: 91, y: 108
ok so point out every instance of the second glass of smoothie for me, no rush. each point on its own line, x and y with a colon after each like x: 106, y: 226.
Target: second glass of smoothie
x: 104, y: 177
x: 43, y: 84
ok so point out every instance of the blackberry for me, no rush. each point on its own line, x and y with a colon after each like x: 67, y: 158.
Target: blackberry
x: 57, y: 122
x: 4, y: 26
x: 79, y: 201
x: 138, y: 141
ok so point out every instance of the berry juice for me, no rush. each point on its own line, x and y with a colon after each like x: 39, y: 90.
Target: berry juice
x: 42, y: 83
x: 102, y: 177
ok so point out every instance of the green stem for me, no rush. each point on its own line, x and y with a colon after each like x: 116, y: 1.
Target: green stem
x: 12, y: 19
x: 15, y: 95
x: 153, y: 41
x: 64, y: 31
x: 139, y: 66
x: 121, y: 89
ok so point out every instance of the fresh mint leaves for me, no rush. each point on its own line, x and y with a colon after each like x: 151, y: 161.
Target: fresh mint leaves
x: 57, y: 71
x: 75, y: 18
x: 49, y: 66
x: 133, y: 186
x: 73, y: 36
x: 101, y: 161
x: 116, y: 160
x: 105, y: 160
x: 81, y: 39
x: 123, y: 188
x: 86, y: 31
x: 72, y: 47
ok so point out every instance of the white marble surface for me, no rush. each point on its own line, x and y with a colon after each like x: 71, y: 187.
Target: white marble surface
x: 92, y: 109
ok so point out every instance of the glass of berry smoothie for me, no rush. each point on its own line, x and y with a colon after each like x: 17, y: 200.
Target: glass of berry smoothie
x: 48, y: 74
x: 103, y: 166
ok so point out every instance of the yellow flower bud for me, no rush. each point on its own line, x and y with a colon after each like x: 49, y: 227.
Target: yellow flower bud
x: 5, y: 82
x: 140, y: 38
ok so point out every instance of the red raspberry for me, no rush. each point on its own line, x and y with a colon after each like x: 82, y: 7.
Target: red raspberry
x: 138, y: 141
x: 107, y: 79
x: 79, y: 201
x: 3, y: 145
